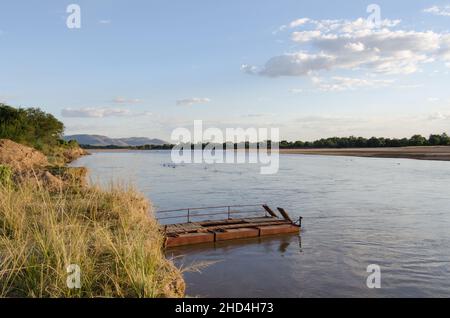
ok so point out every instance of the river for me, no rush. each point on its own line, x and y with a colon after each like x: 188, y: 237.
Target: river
x: 394, y: 213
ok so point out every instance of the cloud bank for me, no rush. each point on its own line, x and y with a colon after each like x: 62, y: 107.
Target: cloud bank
x: 326, y: 45
x: 439, y: 10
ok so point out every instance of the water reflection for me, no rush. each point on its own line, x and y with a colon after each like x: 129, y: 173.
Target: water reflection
x: 233, y: 262
x: 283, y: 242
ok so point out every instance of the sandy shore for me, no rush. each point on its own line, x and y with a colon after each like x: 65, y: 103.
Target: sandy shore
x: 441, y: 153
x: 422, y: 153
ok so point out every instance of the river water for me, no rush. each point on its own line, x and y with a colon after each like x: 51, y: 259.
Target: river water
x: 394, y: 213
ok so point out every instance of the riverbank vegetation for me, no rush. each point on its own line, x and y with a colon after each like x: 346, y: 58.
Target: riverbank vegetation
x: 31, y: 127
x: 37, y: 129
x: 54, y: 228
x: 108, y: 234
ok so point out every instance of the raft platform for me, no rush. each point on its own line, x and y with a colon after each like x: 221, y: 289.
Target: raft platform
x: 242, y: 221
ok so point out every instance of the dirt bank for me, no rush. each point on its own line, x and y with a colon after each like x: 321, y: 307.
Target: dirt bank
x: 20, y: 157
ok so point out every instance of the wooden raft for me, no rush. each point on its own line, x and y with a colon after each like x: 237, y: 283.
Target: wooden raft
x: 191, y: 233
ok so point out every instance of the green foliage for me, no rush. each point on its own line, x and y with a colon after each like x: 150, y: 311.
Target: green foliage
x: 68, y: 144
x: 418, y: 140
x: 5, y: 175
x: 30, y: 126
x: 360, y: 142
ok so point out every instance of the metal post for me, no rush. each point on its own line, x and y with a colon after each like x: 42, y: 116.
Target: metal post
x: 300, y: 221
x: 189, y: 216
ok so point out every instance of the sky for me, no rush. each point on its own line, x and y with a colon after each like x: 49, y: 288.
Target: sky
x: 312, y: 69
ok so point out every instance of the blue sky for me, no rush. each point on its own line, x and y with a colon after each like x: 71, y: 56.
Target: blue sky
x: 143, y: 68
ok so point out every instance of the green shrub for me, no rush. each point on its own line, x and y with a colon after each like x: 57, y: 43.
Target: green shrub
x: 5, y: 175
x: 30, y: 126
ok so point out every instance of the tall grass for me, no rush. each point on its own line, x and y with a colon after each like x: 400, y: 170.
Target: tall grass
x: 109, y: 234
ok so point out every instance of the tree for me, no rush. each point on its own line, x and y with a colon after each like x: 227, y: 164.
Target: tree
x: 373, y: 142
x: 418, y: 140
x: 445, y: 140
x: 434, y: 140
x: 30, y: 126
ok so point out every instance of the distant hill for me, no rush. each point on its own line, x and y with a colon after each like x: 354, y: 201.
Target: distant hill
x: 98, y: 140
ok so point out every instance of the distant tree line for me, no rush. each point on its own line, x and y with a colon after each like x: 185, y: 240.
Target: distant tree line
x: 374, y: 142
x: 348, y: 142
x: 333, y: 142
x: 143, y: 147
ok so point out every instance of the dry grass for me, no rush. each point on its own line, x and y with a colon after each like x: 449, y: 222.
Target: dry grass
x: 108, y: 233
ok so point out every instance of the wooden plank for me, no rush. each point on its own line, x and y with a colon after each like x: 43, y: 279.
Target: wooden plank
x: 189, y: 239
x: 278, y: 229
x: 259, y: 220
x: 270, y: 211
x: 179, y: 228
x: 237, y: 226
x: 219, y: 222
x: 224, y: 227
x: 285, y: 215
x: 233, y: 234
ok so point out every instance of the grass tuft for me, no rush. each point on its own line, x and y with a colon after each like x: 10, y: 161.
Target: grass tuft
x: 110, y: 234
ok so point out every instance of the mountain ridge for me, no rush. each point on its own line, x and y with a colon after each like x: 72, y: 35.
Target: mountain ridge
x: 100, y: 140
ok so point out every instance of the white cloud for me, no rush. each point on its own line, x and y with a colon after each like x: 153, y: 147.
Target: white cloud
x: 338, y: 83
x: 193, y: 101
x: 123, y: 100
x: 293, y: 64
x: 298, y: 22
x: 439, y: 116
x: 439, y: 10
x: 91, y: 112
x: 249, y: 69
x: 356, y: 47
x: 305, y: 36
x: 356, y: 44
x: 292, y: 25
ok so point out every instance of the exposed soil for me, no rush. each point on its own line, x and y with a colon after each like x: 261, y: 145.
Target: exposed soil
x: 20, y: 157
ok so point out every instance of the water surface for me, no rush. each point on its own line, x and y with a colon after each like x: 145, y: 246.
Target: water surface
x: 357, y: 211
